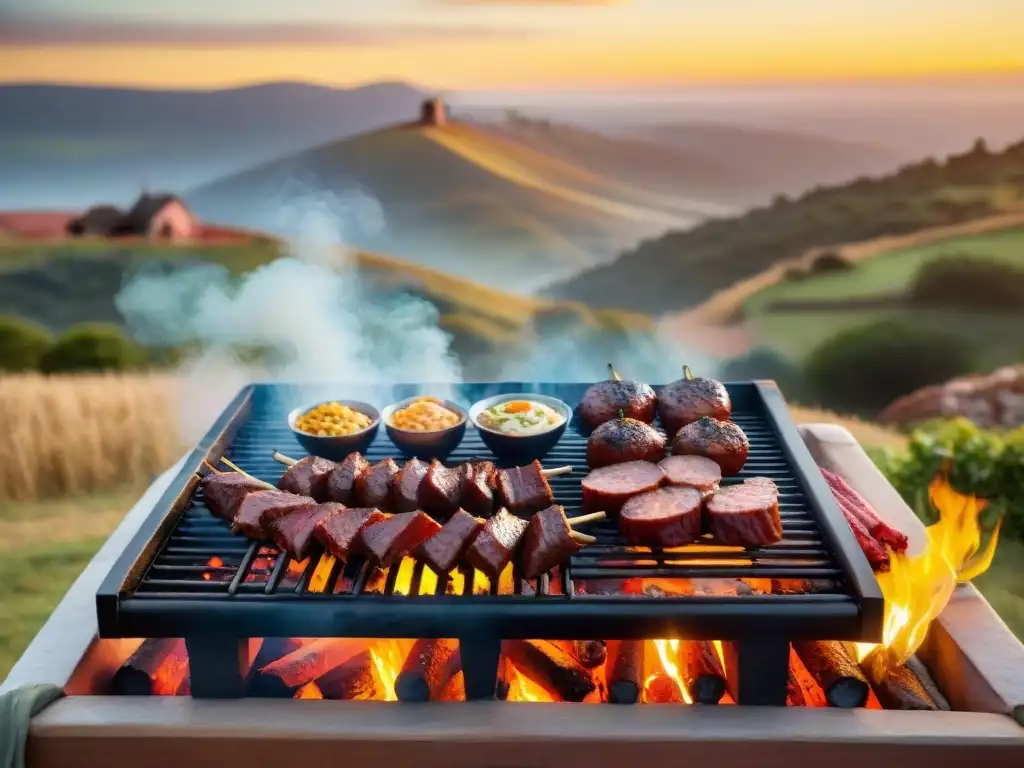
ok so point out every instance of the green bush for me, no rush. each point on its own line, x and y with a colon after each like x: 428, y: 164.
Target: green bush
x: 830, y: 262
x: 93, y: 347
x: 861, y: 370
x: 22, y: 344
x: 762, y: 363
x: 982, y: 463
x: 968, y: 281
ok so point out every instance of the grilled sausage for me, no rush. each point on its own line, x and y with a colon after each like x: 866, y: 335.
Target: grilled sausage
x: 746, y: 515
x: 687, y: 399
x: 624, y: 439
x: 722, y: 441
x: 667, y: 517
x: 614, y: 397
x: 608, y: 488
x: 698, y: 472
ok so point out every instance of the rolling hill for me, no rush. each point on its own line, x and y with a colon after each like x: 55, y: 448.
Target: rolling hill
x: 457, y: 198
x: 682, y: 269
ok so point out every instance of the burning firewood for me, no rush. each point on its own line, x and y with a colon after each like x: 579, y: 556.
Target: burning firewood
x: 428, y: 667
x: 662, y: 689
x: 550, y: 667
x: 839, y: 676
x: 624, y: 671
x: 269, y: 685
x: 355, y: 679
x: 589, y: 653
x: 454, y: 689
x: 312, y: 660
x: 801, y: 689
x: 701, y: 671
x: 896, y: 685
x: 157, y: 668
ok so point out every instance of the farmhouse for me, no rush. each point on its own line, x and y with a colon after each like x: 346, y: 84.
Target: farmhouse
x: 155, y: 217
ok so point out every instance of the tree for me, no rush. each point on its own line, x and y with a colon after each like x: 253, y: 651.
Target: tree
x: 93, y: 347
x: 22, y: 344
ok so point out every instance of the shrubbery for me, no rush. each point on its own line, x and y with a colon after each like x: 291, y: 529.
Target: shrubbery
x: 982, y: 463
x: 93, y: 347
x: 762, y: 363
x: 968, y: 281
x: 861, y: 370
x: 22, y: 344
x: 828, y: 262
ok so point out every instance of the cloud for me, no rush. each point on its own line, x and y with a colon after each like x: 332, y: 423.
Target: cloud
x: 36, y: 31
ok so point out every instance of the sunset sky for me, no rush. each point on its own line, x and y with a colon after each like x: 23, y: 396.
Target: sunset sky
x: 501, y: 44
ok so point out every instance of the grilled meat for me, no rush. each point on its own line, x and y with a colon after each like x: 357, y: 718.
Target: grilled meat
x: 339, y: 531
x: 259, y: 509
x: 308, y: 477
x: 524, y: 490
x: 746, y: 515
x: 342, y: 480
x: 496, y: 543
x: 722, y: 441
x: 614, y: 397
x: 666, y: 517
x: 547, y: 543
x: 698, y: 472
x: 223, y: 493
x: 445, y: 549
x: 441, y: 489
x: 405, y: 487
x: 624, y: 439
x: 478, y: 489
x: 608, y: 488
x: 390, y: 540
x: 293, y: 532
x: 373, y: 487
x: 684, y: 401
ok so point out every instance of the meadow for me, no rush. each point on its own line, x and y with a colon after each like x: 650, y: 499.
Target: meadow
x: 80, y: 450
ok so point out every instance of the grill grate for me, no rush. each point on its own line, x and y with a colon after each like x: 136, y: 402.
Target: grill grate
x: 187, y: 575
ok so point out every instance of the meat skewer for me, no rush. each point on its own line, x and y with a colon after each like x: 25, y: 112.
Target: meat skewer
x: 341, y: 482
x: 373, y: 487
x: 496, y: 543
x: 441, y: 489
x: 446, y: 548
x: 525, y: 490
x: 340, y: 531
x: 427, y: 669
x: 624, y: 439
x: 613, y: 397
x: 549, y: 541
x: 551, y: 667
x: 260, y: 509
x: 294, y: 532
x: 405, y: 487
x: 835, y: 670
x: 686, y: 400
x: 223, y: 491
x: 388, y: 541
x: 746, y: 515
x: 307, y: 477
x: 478, y: 489
x: 722, y: 441
x: 625, y: 671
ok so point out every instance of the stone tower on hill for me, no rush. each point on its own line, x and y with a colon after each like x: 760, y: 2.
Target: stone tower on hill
x: 433, y: 113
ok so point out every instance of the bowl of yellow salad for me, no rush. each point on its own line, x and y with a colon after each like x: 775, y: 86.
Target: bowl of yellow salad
x: 425, y: 427
x: 519, y: 426
x: 335, y: 428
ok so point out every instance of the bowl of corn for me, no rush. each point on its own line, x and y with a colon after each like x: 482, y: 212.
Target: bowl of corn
x: 335, y: 428
x: 425, y: 427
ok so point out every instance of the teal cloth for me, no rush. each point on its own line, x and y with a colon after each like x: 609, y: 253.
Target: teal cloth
x: 17, y: 707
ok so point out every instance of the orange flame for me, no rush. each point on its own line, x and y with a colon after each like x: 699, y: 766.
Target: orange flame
x: 917, y: 588
x: 388, y: 657
x: 309, y: 691
x: 666, y: 652
x: 522, y: 688
x: 214, y: 562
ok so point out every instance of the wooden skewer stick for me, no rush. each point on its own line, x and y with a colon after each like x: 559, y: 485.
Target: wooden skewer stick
x: 582, y: 538
x: 288, y: 461
x: 212, y: 468
x: 556, y: 471
x: 613, y: 374
x: 593, y: 517
x: 241, y: 471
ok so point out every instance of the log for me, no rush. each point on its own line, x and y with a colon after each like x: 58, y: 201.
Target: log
x: 896, y: 685
x: 157, y: 668
x: 701, y: 671
x: 834, y: 669
x: 589, y: 653
x: 355, y: 679
x: 269, y: 686
x: 624, y: 671
x: 427, y: 669
x: 551, y: 667
x: 312, y: 660
x: 662, y: 689
x: 801, y: 689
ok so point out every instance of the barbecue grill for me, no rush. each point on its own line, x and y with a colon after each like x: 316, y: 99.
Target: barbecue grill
x: 185, y: 575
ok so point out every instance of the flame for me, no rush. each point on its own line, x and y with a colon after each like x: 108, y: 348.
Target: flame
x: 318, y: 581
x: 309, y: 691
x: 667, y: 652
x: 214, y: 562
x: 917, y: 588
x: 428, y: 582
x: 522, y: 688
x: 403, y: 582
x: 388, y: 657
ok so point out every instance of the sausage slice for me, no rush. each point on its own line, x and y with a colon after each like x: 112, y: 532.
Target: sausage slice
x: 667, y: 517
x: 746, y: 515
x: 608, y: 488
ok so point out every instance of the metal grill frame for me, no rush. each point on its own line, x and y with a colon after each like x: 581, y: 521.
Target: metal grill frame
x: 761, y: 627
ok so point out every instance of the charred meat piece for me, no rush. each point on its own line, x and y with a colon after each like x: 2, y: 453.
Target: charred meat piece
x: 307, y: 477
x: 223, y: 493
x: 547, y: 543
x: 496, y: 543
x: 340, y: 530
x: 441, y: 489
x: 614, y: 397
x: 722, y: 441
x: 698, y: 472
x: 293, y: 531
x: 478, y: 489
x: 746, y: 515
x: 690, y: 398
x: 524, y: 490
x: 608, y: 488
x: 621, y: 440
x: 405, y: 486
x: 666, y: 517
x: 373, y: 487
x: 259, y: 509
x: 342, y: 481
x: 389, y: 541
x: 445, y: 549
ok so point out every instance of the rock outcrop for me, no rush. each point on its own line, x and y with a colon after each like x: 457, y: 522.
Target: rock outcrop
x: 992, y: 400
